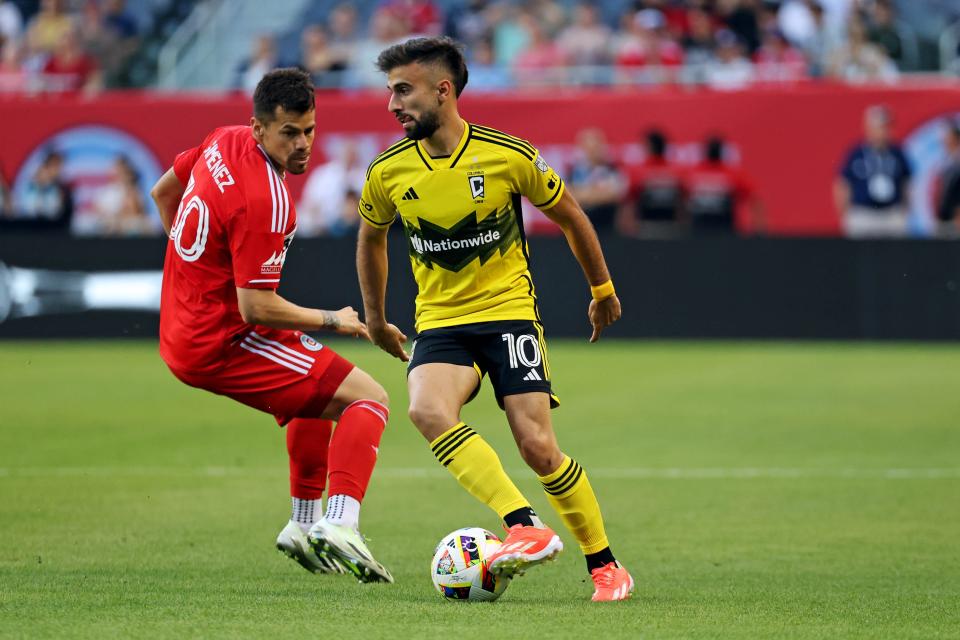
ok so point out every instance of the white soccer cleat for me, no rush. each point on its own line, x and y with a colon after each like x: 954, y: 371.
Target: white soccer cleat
x: 293, y: 542
x: 347, y: 546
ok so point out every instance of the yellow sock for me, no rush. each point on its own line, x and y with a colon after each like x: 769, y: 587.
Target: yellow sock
x: 572, y: 497
x: 477, y: 468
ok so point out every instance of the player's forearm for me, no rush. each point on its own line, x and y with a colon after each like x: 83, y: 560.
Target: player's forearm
x: 266, y: 308
x: 582, y: 238
x: 585, y: 245
x: 166, y: 193
x: 372, y: 269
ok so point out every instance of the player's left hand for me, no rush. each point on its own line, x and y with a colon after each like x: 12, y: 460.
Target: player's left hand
x: 348, y: 324
x: 602, y: 314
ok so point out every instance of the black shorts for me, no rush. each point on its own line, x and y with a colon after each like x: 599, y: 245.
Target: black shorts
x: 512, y: 352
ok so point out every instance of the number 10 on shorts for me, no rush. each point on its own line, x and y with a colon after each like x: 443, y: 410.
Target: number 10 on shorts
x: 523, y: 350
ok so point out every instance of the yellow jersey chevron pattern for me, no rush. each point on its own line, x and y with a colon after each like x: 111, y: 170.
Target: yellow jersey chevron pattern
x: 462, y: 218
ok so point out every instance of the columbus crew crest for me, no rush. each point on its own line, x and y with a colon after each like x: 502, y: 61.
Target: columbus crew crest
x: 476, y: 187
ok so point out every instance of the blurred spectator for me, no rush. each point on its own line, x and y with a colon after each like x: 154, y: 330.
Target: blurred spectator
x: 740, y: 17
x: 343, y: 33
x: 70, y: 68
x: 118, y: 21
x: 716, y: 191
x: 49, y: 26
x: 109, y: 34
x: 13, y: 76
x: 542, y: 61
x: 871, y: 190
x: 386, y: 29
x: 11, y: 23
x: 883, y: 31
x: 586, y: 41
x: 858, y: 60
x: 47, y: 198
x: 822, y: 41
x: 469, y: 22
x: 699, y: 42
x: 647, y: 52
x: 730, y: 69
x: 598, y: 183
x: 262, y: 60
x: 777, y: 61
x: 120, y: 205
x: 655, y: 197
x: 797, y: 21
x: 485, y: 74
x: 318, y: 58
x: 550, y: 14
x: 328, y: 205
x: 947, y: 191
x: 423, y: 15
x: 509, y: 36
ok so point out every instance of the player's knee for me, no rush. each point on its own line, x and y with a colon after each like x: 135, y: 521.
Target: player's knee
x: 540, y: 453
x: 378, y: 394
x: 428, y: 417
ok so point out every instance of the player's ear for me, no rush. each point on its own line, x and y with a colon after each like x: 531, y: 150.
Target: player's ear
x: 444, y: 90
x: 257, y: 127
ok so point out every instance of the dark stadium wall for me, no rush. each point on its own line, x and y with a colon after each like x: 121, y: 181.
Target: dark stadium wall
x: 790, y: 139
x: 710, y: 288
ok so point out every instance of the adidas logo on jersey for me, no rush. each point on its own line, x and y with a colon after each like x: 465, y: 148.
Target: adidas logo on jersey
x: 410, y: 195
x: 533, y: 375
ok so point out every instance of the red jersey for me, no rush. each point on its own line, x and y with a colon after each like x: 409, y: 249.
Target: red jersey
x: 714, y: 192
x: 656, y: 186
x: 232, y: 229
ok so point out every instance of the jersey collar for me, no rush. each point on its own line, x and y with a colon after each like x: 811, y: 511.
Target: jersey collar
x: 446, y: 162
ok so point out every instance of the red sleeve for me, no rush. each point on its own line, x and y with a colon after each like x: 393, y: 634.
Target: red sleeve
x: 183, y: 163
x: 257, y: 243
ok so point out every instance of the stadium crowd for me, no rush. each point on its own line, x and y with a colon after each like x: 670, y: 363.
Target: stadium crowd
x: 80, y: 45
x: 662, y: 189
x: 722, y: 43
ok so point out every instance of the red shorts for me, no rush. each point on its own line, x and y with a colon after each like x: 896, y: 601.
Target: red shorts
x: 282, y: 372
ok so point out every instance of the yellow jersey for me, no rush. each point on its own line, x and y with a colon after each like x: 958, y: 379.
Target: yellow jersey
x: 461, y: 214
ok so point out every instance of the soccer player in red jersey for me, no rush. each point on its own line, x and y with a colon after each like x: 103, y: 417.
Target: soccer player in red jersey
x: 224, y: 328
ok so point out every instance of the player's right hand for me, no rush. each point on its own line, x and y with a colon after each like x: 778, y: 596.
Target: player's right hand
x: 347, y: 323
x: 389, y: 338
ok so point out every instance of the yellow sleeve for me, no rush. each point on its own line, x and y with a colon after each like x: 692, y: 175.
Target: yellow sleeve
x: 537, y: 181
x: 375, y: 207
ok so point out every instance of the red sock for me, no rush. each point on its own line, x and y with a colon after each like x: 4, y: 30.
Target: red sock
x: 308, y: 440
x: 353, y: 450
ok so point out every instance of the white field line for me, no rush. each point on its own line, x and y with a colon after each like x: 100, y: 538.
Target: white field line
x: 623, y: 473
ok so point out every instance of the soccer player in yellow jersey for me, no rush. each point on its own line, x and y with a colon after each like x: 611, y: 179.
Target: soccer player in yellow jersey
x: 456, y: 187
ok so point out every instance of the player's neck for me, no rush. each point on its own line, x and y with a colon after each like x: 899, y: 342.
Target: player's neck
x: 445, y: 139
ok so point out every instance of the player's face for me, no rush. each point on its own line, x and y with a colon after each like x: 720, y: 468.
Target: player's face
x: 288, y: 138
x: 415, y: 98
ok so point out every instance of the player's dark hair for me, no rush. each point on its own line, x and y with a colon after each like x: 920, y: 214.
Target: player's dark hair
x: 441, y: 50
x: 289, y: 88
x: 656, y: 143
x: 714, y: 149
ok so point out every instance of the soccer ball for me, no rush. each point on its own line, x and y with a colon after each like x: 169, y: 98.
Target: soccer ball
x: 459, y: 568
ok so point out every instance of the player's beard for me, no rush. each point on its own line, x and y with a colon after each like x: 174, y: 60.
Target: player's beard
x: 292, y: 166
x: 425, y: 126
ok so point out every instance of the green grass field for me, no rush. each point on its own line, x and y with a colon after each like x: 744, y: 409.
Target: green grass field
x: 754, y: 490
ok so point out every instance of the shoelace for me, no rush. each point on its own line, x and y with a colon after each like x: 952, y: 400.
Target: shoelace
x: 604, y: 577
